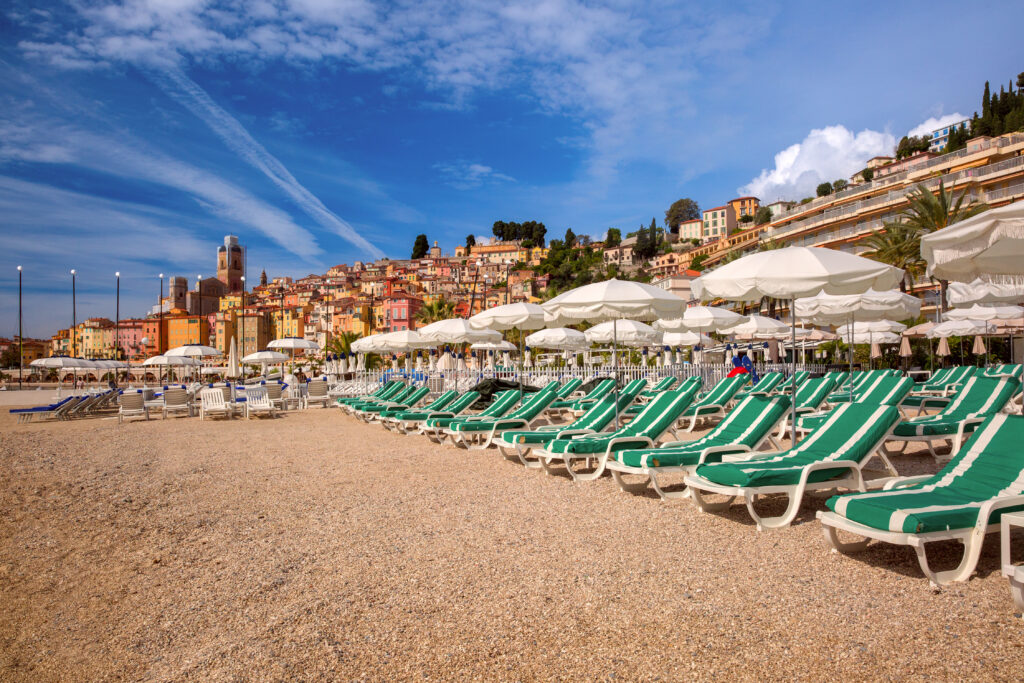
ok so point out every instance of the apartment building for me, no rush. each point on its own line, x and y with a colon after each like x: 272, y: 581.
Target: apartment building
x: 691, y: 229
x: 939, y: 137
x: 989, y: 170
x: 718, y: 222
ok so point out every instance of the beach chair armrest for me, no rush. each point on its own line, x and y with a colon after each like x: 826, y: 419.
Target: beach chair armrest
x: 440, y: 413
x: 962, y: 429
x: 890, y: 483
x: 561, y: 434
x: 708, y: 408
x: 990, y: 506
x: 735, y: 449
x: 609, y: 447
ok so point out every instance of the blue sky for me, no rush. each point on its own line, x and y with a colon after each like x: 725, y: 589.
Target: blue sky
x: 134, y: 135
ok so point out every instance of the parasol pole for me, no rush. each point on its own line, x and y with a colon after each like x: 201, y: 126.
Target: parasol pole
x: 792, y: 374
x: 615, y: 366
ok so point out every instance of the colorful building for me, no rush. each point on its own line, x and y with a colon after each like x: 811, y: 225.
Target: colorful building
x: 719, y: 222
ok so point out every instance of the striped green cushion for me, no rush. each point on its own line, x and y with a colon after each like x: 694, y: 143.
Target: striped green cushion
x: 980, y: 397
x: 812, y: 392
x: 569, y: 387
x: 849, y: 434
x: 528, y: 411
x: 746, y: 425
x: 501, y: 404
x: 457, y: 406
x: 990, y: 465
x: 664, y: 384
x: 1004, y: 370
x: 765, y: 385
x: 439, y: 403
x: 657, y: 417
x: 408, y: 401
x: 600, y: 390
x: 720, y: 394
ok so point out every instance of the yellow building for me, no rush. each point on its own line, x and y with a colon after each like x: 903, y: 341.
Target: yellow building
x: 290, y: 322
x: 254, y: 332
x: 187, y: 329
x: 230, y: 301
x: 744, y: 206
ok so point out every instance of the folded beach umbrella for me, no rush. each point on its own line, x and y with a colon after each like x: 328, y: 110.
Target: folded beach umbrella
x: 793, y: 273
x: 943, y: 349
x: 905, y: 350
x: 979, y: 346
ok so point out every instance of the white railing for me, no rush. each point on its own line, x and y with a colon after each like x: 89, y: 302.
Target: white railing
x: 363, y: 382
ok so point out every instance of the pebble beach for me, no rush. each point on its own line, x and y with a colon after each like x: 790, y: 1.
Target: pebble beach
x: 317, y: 547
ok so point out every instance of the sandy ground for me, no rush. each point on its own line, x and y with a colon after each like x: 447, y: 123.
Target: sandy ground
x: 315, y: 547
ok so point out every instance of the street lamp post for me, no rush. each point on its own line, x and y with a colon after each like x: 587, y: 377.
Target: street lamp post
x: 508, y: 272
x: 160, y: 318
x: 74, y: 316
x: 472, y: 295
x: 117, y: 321
x: 21, y: 336
x: 242, y: 313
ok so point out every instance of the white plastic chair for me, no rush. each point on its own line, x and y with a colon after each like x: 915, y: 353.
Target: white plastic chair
x: 211, y: 402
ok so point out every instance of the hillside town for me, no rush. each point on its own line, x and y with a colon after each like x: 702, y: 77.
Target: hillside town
x: 389, y: 295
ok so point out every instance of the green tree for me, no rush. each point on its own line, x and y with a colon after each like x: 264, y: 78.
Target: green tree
x: 470, y: 243
x: 763, y: 215
x: 910, y: 145
x: 824, y: 189
x: 868, y: 174
x: 839, y: 185
x: 697, y: 262
x: 899, y: 244
x: 746, y: 218
x: 929, y: 212
x: 341, y: 343
x: 684, y: 209
x: 570, y: 239
x: 439, y: 309
x: 613, y: 238
x: 420, y: 247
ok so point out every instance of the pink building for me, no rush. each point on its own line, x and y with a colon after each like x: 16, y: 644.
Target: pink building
x: 130, y: 334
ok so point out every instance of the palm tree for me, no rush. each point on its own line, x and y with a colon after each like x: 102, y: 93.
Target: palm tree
x: 440, y: 309
x: 929, y: 212
x: 900, y: 246
x: 342, y: 343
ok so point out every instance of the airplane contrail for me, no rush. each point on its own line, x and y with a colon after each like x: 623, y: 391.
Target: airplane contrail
x: 187, y: 92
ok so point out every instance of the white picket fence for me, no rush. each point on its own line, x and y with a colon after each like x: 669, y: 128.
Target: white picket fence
x: 366, y: 381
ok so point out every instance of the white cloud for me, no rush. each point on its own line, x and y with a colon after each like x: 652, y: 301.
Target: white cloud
x: 826, y: 154
x: 625, y: 76
x: 926, y: 127
x: 463, y: 175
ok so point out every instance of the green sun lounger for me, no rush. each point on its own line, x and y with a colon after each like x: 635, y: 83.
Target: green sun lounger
x: 664, y: 384
x: 439, y: 403
x: 502, y: 403
x: 978, y: 400
x: 765, y: 386
x: 600, y: 390
x: 384, y: 392
x: 638, y: 406
x: 713, y: 404
x: 596, y: 419
x: 948, y: 382
x: 863, y: 382
x: 810, y: 395
x: 1004, y: 370
x: 830, y: 457
x: 570, y: 386
x: 800, y: 377
x: 369, y: 413
x: 744, y: 430
x: 478, y: 433
x: 657, y: 418
x: 963, y: 501
x: 883, y: 391
x: 396, y: 399
x: 407, y: 421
